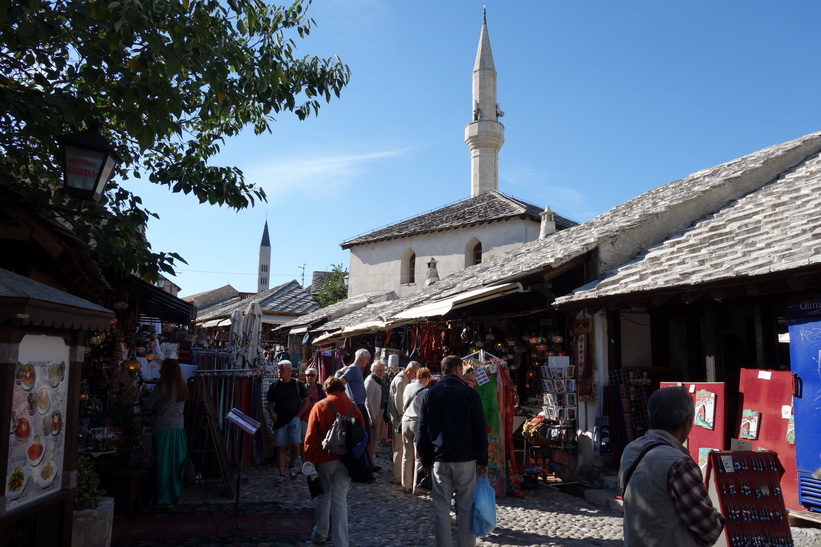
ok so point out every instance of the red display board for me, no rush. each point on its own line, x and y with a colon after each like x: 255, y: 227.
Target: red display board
x: 709, y: 431
x: 769, y: 393
x: 746, y: 487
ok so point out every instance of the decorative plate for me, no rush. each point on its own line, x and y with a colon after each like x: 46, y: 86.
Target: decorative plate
x: 45, y: 474
x: 35, y: 452
x: 16, y: 483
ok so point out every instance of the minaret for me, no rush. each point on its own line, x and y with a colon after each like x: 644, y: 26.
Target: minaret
x: 484, y: 135
x: 264, y: 274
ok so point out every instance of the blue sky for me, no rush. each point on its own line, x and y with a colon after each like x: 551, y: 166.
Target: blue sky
x: 603, y: 100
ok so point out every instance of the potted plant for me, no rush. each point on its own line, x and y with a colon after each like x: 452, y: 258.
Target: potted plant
x: 93, y: 513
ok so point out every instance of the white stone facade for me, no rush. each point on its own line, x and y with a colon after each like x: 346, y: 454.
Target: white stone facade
x: 379, y: 266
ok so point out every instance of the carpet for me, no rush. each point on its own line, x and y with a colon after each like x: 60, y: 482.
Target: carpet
x: 213, y: 524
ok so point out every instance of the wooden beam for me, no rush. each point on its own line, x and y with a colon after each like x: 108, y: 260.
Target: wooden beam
x: 15, y: 233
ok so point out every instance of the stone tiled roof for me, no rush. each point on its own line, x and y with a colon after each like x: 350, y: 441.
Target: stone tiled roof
x: 618, y: 235
x: 215, y: 297
x: 484, y: 208
x: 287, y: 299
x: 343, y: 307
x: 318, y: 281
x: 774, y: 229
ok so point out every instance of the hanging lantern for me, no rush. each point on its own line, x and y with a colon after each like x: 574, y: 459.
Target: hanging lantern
x: 89, y: 160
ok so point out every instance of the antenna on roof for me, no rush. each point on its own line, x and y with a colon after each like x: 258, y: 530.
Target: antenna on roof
x: 303, y: 273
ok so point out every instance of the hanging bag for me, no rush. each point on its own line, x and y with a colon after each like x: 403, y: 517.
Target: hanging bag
x: 484, y: 507
x: 336, y: 439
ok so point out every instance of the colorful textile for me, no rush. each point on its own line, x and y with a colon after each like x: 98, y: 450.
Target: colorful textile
x: 507, y: 411
x: 496, y: 463
x: 170, y: 450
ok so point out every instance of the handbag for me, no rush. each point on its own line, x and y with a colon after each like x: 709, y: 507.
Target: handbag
x: 484, y: 507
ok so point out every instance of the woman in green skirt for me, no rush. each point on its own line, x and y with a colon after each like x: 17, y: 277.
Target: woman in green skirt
x: 167, y: 401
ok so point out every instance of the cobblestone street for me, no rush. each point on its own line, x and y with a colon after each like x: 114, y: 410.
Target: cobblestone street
x: 381, y: 514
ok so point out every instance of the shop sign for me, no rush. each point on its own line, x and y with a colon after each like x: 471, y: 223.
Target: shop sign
x: 37, y: 429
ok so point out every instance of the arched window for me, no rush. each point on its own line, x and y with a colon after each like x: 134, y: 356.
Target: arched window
x: 477, y: 253
x: 473, y: 252
x: 408, y: 275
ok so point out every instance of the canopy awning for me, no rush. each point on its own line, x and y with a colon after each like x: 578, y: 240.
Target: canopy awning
x: 220, y: 322
x: 211, y: 323
x: 299, y: 330
x: 441, y: 307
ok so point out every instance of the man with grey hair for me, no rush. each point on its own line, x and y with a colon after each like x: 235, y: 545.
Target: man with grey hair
x: 354, y: 378
x: 287, y: 401
x: 665, y: 498
x: 396, y: 404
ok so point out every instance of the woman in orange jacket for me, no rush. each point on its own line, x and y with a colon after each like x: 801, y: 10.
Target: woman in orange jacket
x: 333, y: 474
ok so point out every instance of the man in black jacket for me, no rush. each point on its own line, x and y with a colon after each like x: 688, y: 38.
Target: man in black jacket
x: 452, y: 442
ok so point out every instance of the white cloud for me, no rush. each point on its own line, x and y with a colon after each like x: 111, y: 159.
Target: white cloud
x: 313, y: 173
x: 534, y: 185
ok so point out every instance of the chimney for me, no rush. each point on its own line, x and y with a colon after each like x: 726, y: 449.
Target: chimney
x: 433, y: 275
x: 548, y: 223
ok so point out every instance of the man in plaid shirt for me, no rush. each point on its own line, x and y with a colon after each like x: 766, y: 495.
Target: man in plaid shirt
x: 665, y: 498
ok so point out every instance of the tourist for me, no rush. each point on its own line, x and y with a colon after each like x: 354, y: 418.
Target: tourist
x: 376, y: 401
x: 287, y: 401
x: 665, y: 498
x: 332, y: 505
x: 315, y: 394
x: 395, y: 406
x: 410, y: 427
x: 452, y: 444
x: 167, y: 401
x: 469, y: 376
x: 354, y: 380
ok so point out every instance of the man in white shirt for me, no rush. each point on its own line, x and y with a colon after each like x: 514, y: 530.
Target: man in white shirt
x: 396, y: 404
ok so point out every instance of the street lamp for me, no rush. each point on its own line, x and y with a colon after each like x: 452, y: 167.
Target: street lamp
x: 88, y: 162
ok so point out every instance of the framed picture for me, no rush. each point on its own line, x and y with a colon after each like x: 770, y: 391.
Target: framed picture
x: 559, y: 386
x: 562, y: 413
x: 571, y: 413
x: 547, y: 386
x: 570, y: 397
x: 558, y: 372
x: 560, y: 399
x: 570, y: 385
x: 549, y: 399
x: 551, y: 413
x: 545, y: 372
x: 570, y: 372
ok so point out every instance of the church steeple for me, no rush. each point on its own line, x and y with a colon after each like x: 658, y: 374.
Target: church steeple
x: 264, y: 273
x: 485, y: 135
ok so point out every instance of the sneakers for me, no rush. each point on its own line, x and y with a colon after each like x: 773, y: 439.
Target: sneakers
x: 279, y: 481
x: 293, y: 472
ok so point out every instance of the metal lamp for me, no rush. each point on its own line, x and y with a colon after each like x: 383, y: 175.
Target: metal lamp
x: 88, y: 162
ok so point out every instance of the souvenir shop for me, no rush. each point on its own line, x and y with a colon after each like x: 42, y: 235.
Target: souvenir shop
x: 114, y: 430
x: 528, y: 375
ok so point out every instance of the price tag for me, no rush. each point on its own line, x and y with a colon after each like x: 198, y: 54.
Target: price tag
x: 481, y: 375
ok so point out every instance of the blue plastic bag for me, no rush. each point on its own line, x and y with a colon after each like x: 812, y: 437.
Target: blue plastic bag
x: 484, y: 507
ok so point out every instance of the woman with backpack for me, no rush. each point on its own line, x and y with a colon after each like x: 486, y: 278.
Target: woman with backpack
x: 332, y: 505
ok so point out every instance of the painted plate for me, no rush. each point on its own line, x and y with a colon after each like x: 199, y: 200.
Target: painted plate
x: 44, y: 475
x: 16, y: 483
x: 56, y: 373
x: 43, y: 400
x: 56, y: 422
x: 29, y: 377
x: 33, y: 454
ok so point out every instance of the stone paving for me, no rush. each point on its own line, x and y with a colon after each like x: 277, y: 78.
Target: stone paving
x: 381, y: 514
